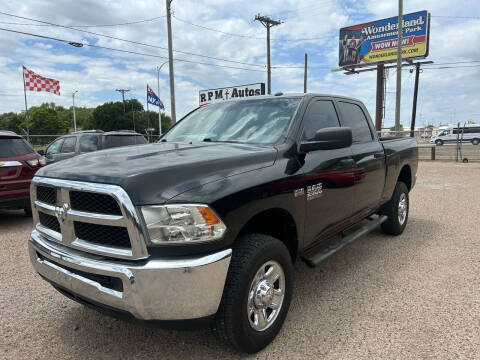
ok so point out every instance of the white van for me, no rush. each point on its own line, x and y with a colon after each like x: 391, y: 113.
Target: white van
x: 471, y: 133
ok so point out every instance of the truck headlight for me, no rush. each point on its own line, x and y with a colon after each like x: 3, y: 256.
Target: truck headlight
x: 182, y: 223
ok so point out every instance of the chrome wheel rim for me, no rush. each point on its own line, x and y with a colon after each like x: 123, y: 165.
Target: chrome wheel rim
x: 402, y: 209
x: 266, y: 295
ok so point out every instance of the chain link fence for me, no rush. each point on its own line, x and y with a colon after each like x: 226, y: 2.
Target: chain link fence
x: 463, y: 151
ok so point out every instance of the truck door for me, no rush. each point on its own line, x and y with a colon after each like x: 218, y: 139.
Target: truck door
x: 328, y: 174
x: 368, y: 155
x: 68, y: 148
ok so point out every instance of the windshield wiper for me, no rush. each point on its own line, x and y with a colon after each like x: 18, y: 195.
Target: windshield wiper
x: 221, y: 141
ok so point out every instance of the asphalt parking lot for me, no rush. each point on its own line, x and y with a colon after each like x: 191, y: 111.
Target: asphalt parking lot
x: 413, y: 296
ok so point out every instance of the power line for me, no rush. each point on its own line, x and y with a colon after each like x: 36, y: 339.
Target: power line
x: 88, y: 26
x: 455, y: 62
x: 451, y: 67
x: 131, y: 41
x: 456, y: 17
x: 245, y: 36
x: 77, y: 44
x: 218, y: 31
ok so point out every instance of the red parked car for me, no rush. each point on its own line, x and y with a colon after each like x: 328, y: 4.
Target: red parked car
x: 18, y: 164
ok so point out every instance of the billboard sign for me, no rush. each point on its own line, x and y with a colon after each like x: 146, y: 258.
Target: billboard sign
x: 376, y: 41
x: 230, y: 93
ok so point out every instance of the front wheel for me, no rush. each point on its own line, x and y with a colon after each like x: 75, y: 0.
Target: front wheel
x: 396, y: 210
x: 439, y: 142
x: 476, y: 141
x: 257, y: 293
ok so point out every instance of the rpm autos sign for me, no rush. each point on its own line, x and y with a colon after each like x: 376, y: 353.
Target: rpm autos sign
x: 231, y: 93
x: 375, y: 42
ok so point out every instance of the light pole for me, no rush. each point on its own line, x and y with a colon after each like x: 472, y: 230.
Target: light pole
x: 74, y: 118
x: 158, y: 89
x: 170, y: 63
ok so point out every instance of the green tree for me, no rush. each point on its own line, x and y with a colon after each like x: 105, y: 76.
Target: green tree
x: 393, y: 128
x: 110, y: 116
x: 11, y: 122
x: 44, y: 120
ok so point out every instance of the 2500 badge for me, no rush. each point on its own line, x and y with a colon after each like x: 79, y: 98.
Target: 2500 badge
x: 314, y: 191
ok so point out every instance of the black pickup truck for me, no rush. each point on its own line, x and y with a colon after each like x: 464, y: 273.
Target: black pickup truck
x: 204, y: 225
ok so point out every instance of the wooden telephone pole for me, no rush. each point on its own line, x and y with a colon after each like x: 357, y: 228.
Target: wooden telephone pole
x: 268, y: 23
x: 123, y: 91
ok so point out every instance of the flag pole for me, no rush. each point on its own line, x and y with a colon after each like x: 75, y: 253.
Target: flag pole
x: 148, y: 118
x: 26, y: 107
x: 159, y: 114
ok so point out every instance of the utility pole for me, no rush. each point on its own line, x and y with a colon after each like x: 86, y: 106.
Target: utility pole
x: 268, y: 23
x: 123, y: 91
x: 158, y: 88
x: 380, y: 96
x: 133, y: 117
x: 415, y: 94
x: 399, y: 66
x: 74, y: 118
x: 305, y: 75
x: 170, y: 62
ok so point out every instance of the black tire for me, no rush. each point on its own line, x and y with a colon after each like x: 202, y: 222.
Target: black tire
x: 28, y: 212
x: 232, y: 324
x: 439, y: 142
x: 475, y: 141
x: 393, y: 225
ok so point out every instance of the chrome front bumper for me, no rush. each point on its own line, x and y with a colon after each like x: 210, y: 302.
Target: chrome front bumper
x: 176, y: 289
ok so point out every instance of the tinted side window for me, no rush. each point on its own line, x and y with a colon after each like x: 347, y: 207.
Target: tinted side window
x: 89, y: 143
x: 354, y: 118
x: 320, y: 114
x: 54, y: 147
x: 69, y: 145
x: 14, y: 147
x: 112, y: 141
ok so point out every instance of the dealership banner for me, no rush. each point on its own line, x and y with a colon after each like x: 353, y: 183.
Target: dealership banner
x: 374, y: 42
x: 230, y: 93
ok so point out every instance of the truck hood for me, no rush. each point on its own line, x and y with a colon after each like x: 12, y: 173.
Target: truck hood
x: 154, y: 173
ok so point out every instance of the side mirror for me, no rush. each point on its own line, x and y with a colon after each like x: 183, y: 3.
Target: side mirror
x: 41, y: 152
x: 328, y: 139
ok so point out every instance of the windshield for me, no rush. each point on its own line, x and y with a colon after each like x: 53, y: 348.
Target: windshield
x: 14, y: 147
x: 260, y: 121
x: 112, y: 141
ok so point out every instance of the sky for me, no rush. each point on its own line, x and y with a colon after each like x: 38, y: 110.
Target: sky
x: 445, y: 95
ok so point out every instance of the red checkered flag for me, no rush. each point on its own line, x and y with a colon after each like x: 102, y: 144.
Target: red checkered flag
x: 35, y: 82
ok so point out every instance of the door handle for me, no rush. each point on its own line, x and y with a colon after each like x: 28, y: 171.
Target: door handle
x: 378, y: 155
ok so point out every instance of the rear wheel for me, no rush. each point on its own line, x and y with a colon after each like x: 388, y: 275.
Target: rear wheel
x: 476, y: 141
x: 257, y: 293
x: 28, y: 211
x: 439, y: 142
x: 396, y: 210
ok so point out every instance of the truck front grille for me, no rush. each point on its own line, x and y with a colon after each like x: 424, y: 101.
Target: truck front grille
x: 102, y: 234
x: 47, y: 194
x: 94, y: 202
x: 95, y: 218
x: 49, y: 221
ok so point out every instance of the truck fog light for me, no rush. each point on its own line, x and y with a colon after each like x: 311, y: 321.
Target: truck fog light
x: 182, y: 223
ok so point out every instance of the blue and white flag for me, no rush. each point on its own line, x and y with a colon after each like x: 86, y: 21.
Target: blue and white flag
x: 153, y: 99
